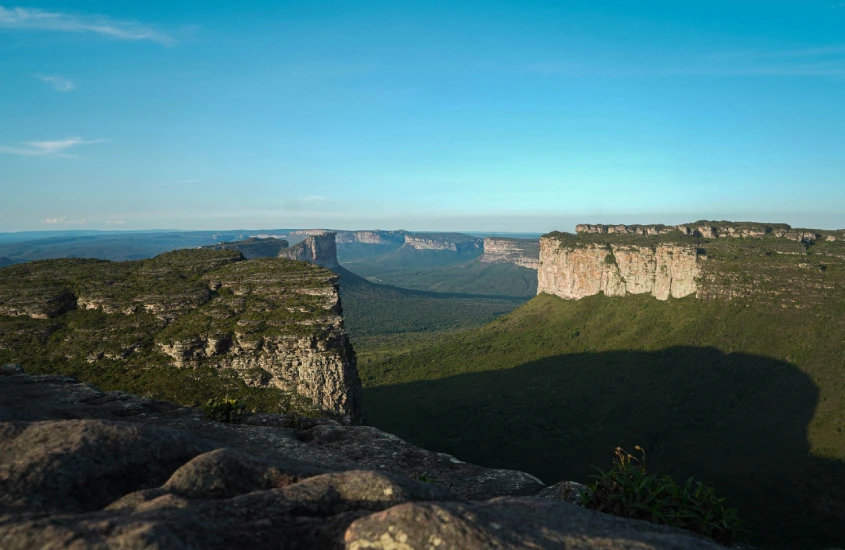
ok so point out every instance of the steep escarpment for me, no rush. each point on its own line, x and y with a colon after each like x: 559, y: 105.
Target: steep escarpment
x: 520, y: 252
x: 374, y: 236
x: 265, y: 323
x: 320, y: 249
x: 573, y: 271
x: 772, y: 263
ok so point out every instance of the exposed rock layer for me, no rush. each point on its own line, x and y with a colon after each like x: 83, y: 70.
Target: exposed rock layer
x: 520, y: 252
x: 274, y: 322
x: 573, y: 271
x: 455, y: 242
x: 320, y: 249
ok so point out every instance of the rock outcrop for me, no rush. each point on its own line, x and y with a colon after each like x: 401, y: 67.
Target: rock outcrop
x: 573, y: 271
x: 520, y: 252
x: 320, y: 249
x: 129, y: 472
x: 272, y: 322
x: 712, y: 230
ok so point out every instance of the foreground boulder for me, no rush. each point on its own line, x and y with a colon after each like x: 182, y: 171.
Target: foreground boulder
x: 82, y: 468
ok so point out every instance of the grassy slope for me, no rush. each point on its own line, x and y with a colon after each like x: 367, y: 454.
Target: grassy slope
x: 391, y: 268
x: 382, y: 320
x: 474, y: 277
x: 747, y: 398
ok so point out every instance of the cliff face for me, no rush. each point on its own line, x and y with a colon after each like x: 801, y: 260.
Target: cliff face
x: 520, y: 252
x: 375, y: 236
x: 573, y: 272
x: 454, y: 242
x: 320, y: 249
x: 270, y: 322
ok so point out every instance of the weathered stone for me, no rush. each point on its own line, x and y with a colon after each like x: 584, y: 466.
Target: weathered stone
x: 80, y: 465
x: 320, y: 249
x: 10, y: 369
x: 520, y: 252
x: 510, y: 523
x: 454, y: 242
x: 566, y: 491
x: 573, y: 272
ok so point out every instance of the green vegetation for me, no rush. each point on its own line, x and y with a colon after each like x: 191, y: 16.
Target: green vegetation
x: 391, y: 268
x: 628, y: 490
x: 744, y: 395
x: 473, y: 277
x: 113, y: 324
x: 224, y: 410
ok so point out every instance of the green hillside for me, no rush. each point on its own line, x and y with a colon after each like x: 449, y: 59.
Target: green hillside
x: 744, y: 396
x: 393, y: 267
x: 383, y: 320
x: 474, y: 277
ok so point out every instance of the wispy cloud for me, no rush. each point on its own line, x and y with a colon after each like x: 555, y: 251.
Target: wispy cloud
x: 58, y: 82
x: 190, y: 181
x: 28, y: 18
x: 114, y: 222
x: 62, y: 220
x: 48, y: 148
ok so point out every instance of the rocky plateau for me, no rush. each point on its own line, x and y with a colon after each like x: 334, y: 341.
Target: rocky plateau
x: 83, y: 468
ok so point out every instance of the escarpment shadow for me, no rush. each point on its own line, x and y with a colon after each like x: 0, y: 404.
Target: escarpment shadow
x: 736, y: 421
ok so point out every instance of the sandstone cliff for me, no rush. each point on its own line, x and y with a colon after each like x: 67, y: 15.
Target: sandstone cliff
x: 375, y: 236
x: 573, y: 271
x: 769, y: 263
x: 320, y: 249
x: 271, y: 322
x: 520, y: 252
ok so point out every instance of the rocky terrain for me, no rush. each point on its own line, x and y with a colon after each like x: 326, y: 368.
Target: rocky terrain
x: 269, y: 323
x: 375, y: 236
x: 520, y: 252
x: 320, y: 249
x: 710, y: 260
x: 86, y: 469
x: 254, y: 247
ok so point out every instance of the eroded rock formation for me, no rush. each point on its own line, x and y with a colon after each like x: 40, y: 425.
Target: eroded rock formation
x: 520, y: 252
x: 274, y: 322
x: 375, y: 236
x: 129, y: 472
x: 573, y: 271
x: 320, y: 249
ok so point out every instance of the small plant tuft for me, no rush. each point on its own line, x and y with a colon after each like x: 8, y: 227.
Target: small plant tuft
x: 628, y: 490
x: 224, y: 410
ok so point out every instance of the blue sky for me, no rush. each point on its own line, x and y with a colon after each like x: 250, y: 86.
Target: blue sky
x: 438, y: 115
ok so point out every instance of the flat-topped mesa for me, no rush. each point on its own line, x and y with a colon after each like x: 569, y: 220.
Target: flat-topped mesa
x: 520, y: 252
x: 657, y: 229
x: 574, y: 270
x: 307, y: 232
x: 713, y: 230
x: 455, y: 242
x: 320, y: 249
x: 375, y: 236
x: 271, y: 322
x: 254, y: 247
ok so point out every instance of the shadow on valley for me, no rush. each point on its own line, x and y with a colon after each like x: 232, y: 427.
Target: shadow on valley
x: 736, y: 421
